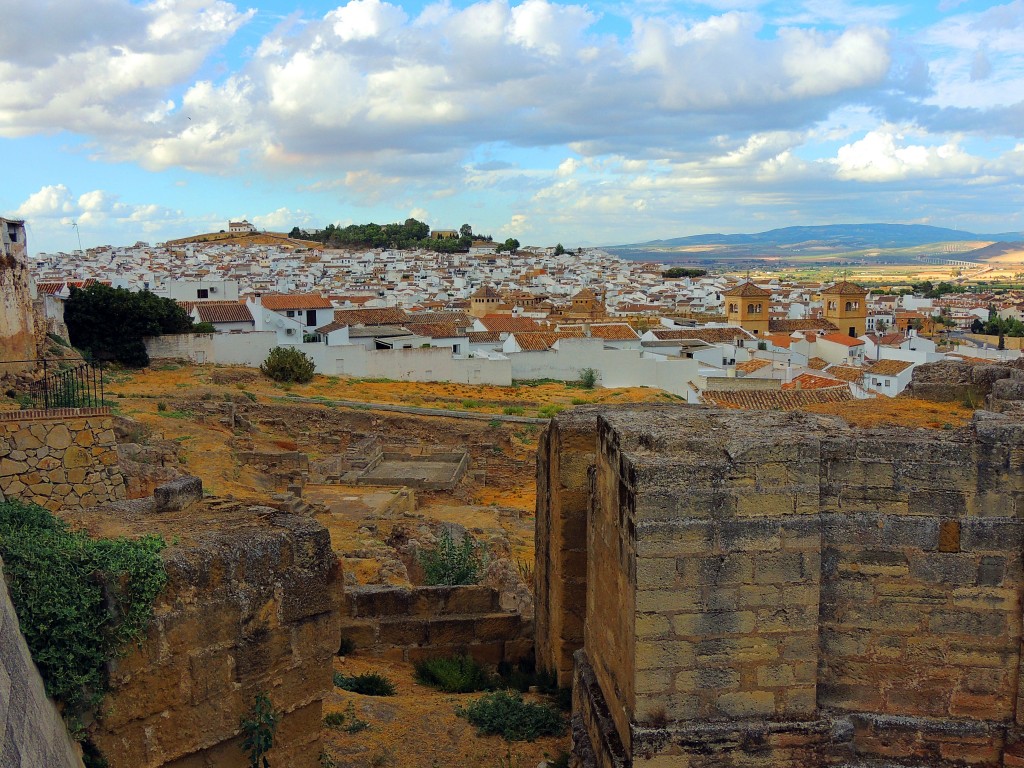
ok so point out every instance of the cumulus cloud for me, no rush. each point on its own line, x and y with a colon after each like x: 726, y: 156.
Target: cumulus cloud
x: 283, y: 219
x: 885, y: 155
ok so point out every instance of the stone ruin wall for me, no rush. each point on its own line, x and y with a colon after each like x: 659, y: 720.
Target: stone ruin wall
x: 780, y: 589
x: 64, y: 458
x: 17, y: 322
x: 417, y: 623
x: 252, y: 606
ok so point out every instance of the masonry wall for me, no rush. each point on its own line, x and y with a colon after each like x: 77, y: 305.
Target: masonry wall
x: 33, y: 731
x: 252, y: 606
x: 60, y: 459
x: 415, y: 623
x: 17, y: 337
x: 805, y: 593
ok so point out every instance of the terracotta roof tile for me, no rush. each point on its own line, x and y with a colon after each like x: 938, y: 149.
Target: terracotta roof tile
x: 804, y: 324
x: 223, y: 312
x: 484, y: 337
x: 844, y: 288
x: 747, y: 290
x: 811, y: 381
x: 775, y: 399
x: 846, y: 372
x: 749, y: 366
x: 889, y: 367
x: 846, y: 341
x: 434, y: 330
x: 708, y: 335
x: 371, y: 316
x: 277, y: 302
x: 508, y: 323
x: 817, y: 363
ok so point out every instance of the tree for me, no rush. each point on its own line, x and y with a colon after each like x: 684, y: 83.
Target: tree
x: 110, y: 323
x: 977, y: 326
x: 289, y: 364
x: 511, y: 245
x: 559, y: 250
x: 880, y: 326
x: 466, y: 231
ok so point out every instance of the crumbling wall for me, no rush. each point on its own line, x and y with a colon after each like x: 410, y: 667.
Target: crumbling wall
x: 252, y: 606
x: 780, y: 589
x: 33, y: 731
x: 60, y: 459
x: 17, y: 323
x: 415, y: 623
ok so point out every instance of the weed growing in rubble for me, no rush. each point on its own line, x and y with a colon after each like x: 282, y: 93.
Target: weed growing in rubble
x: 506, y: 714
x: 347, y: 721
x: 454, y: 674
x: 259, y: 729
x: 452, y: 562
x: 366, y: 684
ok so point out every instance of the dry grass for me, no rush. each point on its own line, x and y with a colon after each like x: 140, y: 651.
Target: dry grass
x: 897, y: 412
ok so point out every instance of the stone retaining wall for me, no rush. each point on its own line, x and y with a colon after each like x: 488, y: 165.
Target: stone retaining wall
x: 424, y: 622
x: 63, y: 459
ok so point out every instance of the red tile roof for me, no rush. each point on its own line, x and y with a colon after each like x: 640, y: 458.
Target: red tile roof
x: 371, y: 316
x: 277, y: 302
x: 804, y: 324
x: 508, y: 323
x: 223, y: 312
x: 747, y: 290
x: 709, y: 335
x: 889, y: 367
x: 811, y: 381
x: 844, y: 288
x: 846, y: 372
x: 846, y: 341
x: 775, y: 399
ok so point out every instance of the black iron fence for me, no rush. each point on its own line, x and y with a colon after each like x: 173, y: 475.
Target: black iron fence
x: 66, y: 384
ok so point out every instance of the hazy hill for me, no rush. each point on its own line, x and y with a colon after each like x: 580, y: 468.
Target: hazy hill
x: 816, y: 240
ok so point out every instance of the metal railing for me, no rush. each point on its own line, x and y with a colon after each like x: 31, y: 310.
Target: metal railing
x: 64, y: 385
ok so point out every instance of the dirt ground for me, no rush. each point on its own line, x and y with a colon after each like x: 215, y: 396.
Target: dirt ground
x: 418, y: 727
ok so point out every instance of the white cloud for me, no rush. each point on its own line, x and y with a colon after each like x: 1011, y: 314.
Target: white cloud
x: 283, y: 219
x: 885, y: 155
x: 49, y: 201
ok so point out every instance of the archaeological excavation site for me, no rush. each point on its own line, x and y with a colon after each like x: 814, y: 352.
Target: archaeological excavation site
x: 707, y: 587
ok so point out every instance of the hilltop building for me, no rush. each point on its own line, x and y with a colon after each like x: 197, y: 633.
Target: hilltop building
x: 241, y: 227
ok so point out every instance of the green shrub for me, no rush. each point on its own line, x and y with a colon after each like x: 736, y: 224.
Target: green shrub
x: 470, y: 404
x: 80, y: 601
x: 367, y: 684
x: 549, y: 410
x: 514, y: 410
x: 453, y: 563
x: 588, y: 378
x: 506, y: 714
x: 161, y: 406
x: 454, y: 674
x: 289, y: 364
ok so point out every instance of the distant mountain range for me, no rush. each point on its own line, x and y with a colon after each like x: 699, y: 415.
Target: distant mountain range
x: 829, y: 238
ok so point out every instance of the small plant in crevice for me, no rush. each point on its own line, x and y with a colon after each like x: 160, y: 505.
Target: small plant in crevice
x: 454, y: 674
x: 366, y: 684
x: 506, y: 714
x: 259, y: 728
x: 450, y: 562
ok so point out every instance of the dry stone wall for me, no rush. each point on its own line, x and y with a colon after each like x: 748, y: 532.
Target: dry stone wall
x: 32, y: 733
x: 60, y: 459
x: 767, y: 589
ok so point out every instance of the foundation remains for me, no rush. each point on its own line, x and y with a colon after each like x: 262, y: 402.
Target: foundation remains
x: 733, y: 588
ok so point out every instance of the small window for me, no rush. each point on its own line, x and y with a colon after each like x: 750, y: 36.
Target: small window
x: 290, y: 313
x: 202, y: 293
x: 887, y: 382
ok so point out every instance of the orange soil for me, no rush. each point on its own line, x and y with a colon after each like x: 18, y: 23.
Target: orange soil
x: 897, y: 412
x: 418, y: 727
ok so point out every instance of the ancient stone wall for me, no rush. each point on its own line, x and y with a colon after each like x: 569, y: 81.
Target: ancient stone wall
x: 415, y: 623
x: 781, y: 589
x: 252, y: 606
x: 60, y: 459
x: 17, y: 324
x: 33, y: 733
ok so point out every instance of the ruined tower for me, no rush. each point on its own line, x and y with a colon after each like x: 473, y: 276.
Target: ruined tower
x: 17, y: 340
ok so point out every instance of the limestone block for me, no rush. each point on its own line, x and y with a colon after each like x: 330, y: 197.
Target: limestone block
x: 10, y: 467
x: 76, y: 456
x: 178, y: 494
x: 59, y: 437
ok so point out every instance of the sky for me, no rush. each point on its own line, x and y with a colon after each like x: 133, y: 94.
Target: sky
x: 580, y: 123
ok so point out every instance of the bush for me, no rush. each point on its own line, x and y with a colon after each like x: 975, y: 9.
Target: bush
x: 451, y: 563
x: 367, y: 684
x: 549, y: 410
x: 588, y: 378
x: 454, y: 674
x: 506, y: 714
x: 80, y: 601
x: 288, y: 364
x: 514, y: 410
